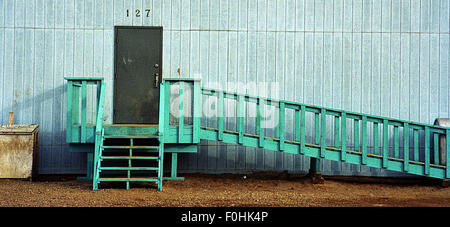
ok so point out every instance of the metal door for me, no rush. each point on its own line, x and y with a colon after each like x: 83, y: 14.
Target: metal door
x: 138, y: 59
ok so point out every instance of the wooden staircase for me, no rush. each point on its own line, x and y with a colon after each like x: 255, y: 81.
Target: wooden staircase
x: 355, y: 138
x: 129, y: 158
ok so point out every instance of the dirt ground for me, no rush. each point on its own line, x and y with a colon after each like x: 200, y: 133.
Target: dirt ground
x: 226, y: 190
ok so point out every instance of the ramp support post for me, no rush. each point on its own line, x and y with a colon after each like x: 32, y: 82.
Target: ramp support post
x: 315, y: 171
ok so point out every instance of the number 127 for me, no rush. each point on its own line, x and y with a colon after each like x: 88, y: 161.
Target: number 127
x: 138, y: 12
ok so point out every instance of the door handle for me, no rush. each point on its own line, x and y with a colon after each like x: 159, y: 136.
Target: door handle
x: 156, y: 80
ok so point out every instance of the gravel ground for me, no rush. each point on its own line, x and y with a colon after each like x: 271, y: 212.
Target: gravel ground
x: 226, y: 190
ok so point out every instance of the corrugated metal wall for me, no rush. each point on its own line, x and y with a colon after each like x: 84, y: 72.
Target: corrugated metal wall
x: 382, y: 57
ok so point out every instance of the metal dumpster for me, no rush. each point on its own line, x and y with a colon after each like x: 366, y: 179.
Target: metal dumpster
x: 445, y: 122
x: 19, y: 151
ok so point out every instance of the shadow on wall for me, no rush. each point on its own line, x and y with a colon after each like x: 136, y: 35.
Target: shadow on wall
x: 48, y: 110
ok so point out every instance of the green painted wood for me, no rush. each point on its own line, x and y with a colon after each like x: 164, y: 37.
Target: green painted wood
x: 128, y: 158
x: 161, y: 164
x: 182, y: 134
x: 323, y: 135
x: 197, y: 112
x: 281, y: 123
x: 129, y: 162
x: 162, y: 109
x: 166, y: 110
x: 343, y: 136
x: 145, y: 131
x: 181, y: 113
x: 76, y: 134
x: 173, y: 172
x: 316, y: 129
x: 259, y: 126
x: 83, y: 112
x: 406, y: 147
x: 330, y: 111
x: 220, y: 114
x: 302, y: 129
x: 99, y: 133
x: 173, y: 79
x: 99, y: 93
x: 131, y: 147
x: 88, y: 79
x: 385, y: 143
x: 427, y: 150
x: 76, y: 106
x: 69, y: 112
x: 447, y: 139
x: 364, y: 140
x: 240, y: 119
x: 129, y: 168
x: 117, y: 179
x: 333, y: 154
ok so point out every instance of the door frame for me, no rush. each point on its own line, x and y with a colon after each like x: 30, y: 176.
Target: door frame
x: 116, y: 28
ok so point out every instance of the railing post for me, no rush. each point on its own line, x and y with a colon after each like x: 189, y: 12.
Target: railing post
x: 260, y: 116
x: 83, y: 111
x: 69, y: 111
x: 302, y: 129
x: 323, y: 132
x: 364, y: 140
x: 220, y: 108
x: 343, y: 136
x: 447, y: 152
x: 166, y: 106
x: 162, y: 113
x: 240, y: 119
x: 385, y: 143
x: 406, y: 147
x: 181, y: 113
x: 427, y: 150
x: 98, y: 131
x: 281, y: 124
x: 197, y: 112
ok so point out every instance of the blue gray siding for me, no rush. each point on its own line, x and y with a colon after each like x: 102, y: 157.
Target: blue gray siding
x: 381, y: 57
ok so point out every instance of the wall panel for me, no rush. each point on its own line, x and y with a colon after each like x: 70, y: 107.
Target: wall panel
x: 388, y: 58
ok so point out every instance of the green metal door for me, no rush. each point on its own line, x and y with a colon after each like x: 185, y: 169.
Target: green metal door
x: 138, y: 59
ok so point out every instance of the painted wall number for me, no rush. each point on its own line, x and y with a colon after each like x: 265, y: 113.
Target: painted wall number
x: 138, y: 13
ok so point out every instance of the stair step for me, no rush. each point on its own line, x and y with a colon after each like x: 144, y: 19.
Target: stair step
x: 130, y: 136
x: 130, y: 157
x: 131, y: 147
x: 153, y: 179
x: 129, y: 168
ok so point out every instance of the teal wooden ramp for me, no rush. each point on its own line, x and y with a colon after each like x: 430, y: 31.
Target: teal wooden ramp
x: 318, y: 132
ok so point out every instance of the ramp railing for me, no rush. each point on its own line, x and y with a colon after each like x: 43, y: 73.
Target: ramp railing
x: 78, y: 129
x: 396, y: 145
